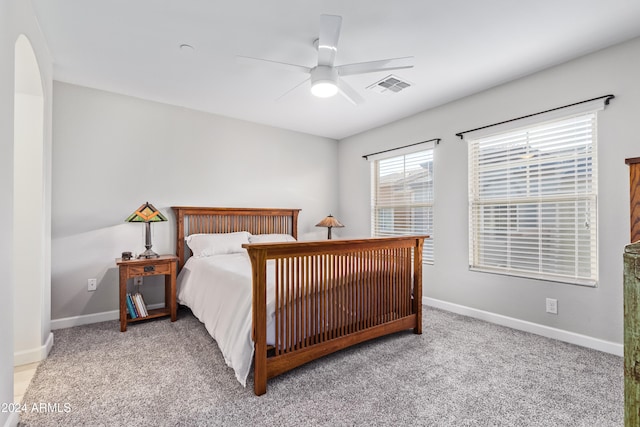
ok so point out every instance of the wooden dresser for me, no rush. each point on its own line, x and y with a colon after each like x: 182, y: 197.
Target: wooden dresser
x: 634, y: 187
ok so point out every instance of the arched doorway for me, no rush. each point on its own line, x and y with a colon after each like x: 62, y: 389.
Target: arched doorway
x: 28, y: 207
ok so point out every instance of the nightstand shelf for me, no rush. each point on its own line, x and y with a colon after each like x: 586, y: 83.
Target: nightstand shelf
x: 156, y: 312
x: 163, y: 265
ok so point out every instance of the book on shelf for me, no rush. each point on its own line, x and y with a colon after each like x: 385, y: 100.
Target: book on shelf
x: 136, y: 306
x: 130, y: 307
x: 142, y: 307
x: 144, y: 304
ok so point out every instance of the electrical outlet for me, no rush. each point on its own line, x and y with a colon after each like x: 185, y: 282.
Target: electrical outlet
x: 92, y: 284
x: 552, y: 305
x: 137, y: 281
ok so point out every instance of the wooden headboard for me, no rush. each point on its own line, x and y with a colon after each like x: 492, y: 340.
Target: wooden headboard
x: 192, y: 220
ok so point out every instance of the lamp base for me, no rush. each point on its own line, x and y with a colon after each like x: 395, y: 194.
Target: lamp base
x: 148, y: 254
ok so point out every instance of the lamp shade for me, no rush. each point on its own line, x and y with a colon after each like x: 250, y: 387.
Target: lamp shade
x: 329, y: 222
x: 146, y: 213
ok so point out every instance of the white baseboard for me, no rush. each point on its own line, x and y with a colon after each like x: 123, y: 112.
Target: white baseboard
x: 12, y: 421
x: 534, y: 328
x: 85, y: 319
x: 35, y: 354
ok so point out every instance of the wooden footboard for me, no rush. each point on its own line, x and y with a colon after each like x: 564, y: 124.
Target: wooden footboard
x: 330, y: 295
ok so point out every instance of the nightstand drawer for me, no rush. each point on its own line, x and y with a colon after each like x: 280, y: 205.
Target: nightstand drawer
x: 149, y: 269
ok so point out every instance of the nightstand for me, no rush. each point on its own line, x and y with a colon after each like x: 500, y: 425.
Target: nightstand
x: 141, y: 267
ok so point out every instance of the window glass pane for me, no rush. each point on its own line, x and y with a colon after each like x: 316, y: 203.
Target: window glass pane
x: 402, y: 197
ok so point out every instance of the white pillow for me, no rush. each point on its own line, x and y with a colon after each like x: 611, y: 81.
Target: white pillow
x: 202, y: 245
x: 270, y: 238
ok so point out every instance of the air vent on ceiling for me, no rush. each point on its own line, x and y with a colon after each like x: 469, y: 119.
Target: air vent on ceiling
x: 390, y: 84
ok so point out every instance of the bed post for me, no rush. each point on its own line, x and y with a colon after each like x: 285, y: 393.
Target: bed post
x: 417, y: 285
x: 294, y: 223
x: 259, y: 310
x: 180, y: 233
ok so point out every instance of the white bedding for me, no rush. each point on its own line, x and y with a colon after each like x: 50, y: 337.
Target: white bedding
x: 218, y: 290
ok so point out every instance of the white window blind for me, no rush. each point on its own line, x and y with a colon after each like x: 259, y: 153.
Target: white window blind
x: 533, y: 201
x: 402, y: 197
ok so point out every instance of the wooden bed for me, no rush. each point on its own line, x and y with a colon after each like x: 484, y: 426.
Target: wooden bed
x: 329, y: 295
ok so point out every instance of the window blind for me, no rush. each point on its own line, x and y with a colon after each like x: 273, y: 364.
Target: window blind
x: 402, y: 197
x: 533, y: 201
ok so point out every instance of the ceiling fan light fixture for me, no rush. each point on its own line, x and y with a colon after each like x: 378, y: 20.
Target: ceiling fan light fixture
x: 324, y: 88
x: 324, y: 81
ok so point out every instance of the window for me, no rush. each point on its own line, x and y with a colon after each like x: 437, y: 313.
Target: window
x: 533, y: 200
x: 402, y: 196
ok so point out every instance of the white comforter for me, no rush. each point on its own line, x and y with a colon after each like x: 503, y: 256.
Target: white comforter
x: 218, y: 290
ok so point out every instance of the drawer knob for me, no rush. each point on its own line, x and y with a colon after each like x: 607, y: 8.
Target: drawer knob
x: 149, y: 268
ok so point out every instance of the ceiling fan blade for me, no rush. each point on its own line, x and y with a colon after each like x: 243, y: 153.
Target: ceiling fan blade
x: 292, y: 89
x: 373, y: 66
x: 273, y: 64
x: 349, y: 93
x: 328, y: 40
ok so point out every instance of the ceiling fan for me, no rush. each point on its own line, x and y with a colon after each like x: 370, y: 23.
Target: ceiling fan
x: 325, y: 77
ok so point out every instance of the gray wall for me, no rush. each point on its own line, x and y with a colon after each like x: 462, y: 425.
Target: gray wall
x: 595, y: 312
x: 113, y: 152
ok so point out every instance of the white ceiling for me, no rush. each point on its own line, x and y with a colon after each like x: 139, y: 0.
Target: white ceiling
x: 460, y: 47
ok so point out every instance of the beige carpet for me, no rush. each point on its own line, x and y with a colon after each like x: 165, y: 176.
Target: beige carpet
x: 459, y: 372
